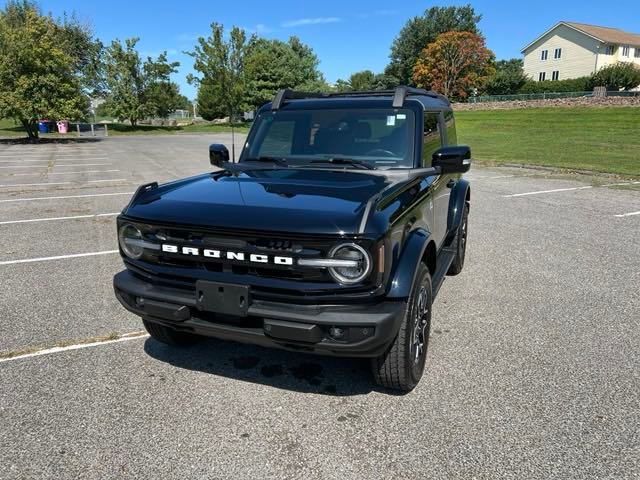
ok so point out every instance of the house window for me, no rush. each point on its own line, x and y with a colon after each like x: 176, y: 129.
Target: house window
x: 558, y: 53
x: 544, y: 55
x: 555, y: 75
x: 610, y: 49
x: 637, y: 54
x: 541, y: 76
x: 625, y: 51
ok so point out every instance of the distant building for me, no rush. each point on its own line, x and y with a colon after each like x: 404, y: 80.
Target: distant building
x: 572, y: 50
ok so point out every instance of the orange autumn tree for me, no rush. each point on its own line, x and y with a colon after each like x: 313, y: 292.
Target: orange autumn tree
x: 455, y: 64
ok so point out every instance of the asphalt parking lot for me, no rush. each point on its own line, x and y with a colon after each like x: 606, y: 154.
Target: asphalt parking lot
x: 533, y: 369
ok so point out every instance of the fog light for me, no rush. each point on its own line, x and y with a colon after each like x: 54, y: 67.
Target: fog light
x: 337, y: 333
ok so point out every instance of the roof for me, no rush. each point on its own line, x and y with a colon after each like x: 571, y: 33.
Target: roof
x: 603, y: 34
x: 374, y: 98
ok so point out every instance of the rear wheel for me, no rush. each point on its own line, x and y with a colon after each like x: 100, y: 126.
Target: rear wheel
x: 461, y: 243
x: 402, y: 365
x: 169, y: 335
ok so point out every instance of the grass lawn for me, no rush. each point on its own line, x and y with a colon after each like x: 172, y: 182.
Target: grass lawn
x: 597, y: 139
x: 9, y: 128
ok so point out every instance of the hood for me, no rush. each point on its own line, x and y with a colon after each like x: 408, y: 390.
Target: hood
x: 286, y: 200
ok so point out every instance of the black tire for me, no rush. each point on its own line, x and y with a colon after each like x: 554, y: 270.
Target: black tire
x: 461, y: 243
x: 169, y: 335
x: 402, y: 365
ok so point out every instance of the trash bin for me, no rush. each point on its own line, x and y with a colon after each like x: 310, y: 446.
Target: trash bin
x: 63, y: 126
x: 43, y: 126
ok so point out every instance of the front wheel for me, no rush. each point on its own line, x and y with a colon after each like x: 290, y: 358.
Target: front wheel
x: 402, y: 365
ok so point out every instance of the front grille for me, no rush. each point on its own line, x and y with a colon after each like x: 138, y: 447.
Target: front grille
x: 267, y: 245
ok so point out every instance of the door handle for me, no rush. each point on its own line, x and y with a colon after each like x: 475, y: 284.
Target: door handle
x: 451, y: 183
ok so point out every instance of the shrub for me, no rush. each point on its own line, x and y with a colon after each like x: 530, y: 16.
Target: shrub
x: 581, y: 84
x: 619, y: 76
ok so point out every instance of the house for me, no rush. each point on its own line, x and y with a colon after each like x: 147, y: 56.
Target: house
x: 572, y: 50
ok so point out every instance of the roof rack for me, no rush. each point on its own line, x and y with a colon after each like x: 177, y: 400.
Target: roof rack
x: 399, y: 94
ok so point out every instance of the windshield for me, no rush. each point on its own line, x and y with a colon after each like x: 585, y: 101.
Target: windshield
x: 383, y: 138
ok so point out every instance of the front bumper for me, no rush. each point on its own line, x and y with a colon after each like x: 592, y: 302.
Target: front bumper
x: 368, y: 328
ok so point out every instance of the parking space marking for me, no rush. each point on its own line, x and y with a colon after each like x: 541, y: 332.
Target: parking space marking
x: 85, y: 164
x: 59, y: 173
x: 32, y: 199
x: 108, y: 180
x: 540, y: 192
x: 35, y: 184
x: 92, y: 159
x: 57, y: 257
x: 44, y: 165
x: 630, y: 214
x: 77, y: 346
x: 53, y: 219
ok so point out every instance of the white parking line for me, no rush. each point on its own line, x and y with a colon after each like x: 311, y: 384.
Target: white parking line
x: 21, y: 159
x: 35, y: 184
x: 620, y: 184
x: 59, y: 173
x: 77, y: 165
x: 46, y: 351
x: 58, y: 257
x: 44, y: 165
x: 53, y: 219
x: 108, y: 180
x: 7, y: 200
x: 630, y: 214
x: 540, y: 192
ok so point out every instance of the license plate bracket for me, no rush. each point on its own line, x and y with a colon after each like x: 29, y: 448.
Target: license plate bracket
x: 223, y: 298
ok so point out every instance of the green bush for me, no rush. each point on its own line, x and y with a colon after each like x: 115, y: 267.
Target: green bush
x: 619, y: 76
x: 581, y: 84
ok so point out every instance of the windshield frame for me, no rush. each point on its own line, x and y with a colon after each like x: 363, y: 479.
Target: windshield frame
x: 378, y: 162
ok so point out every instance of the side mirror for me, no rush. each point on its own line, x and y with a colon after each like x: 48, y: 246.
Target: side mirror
x: 455, y: 159
x: 218, y: 154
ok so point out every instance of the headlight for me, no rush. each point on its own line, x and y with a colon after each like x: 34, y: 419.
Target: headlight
x: 353, y: 253
x: 131, y: 242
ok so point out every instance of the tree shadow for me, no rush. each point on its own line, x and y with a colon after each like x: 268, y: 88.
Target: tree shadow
x: 300, y: 372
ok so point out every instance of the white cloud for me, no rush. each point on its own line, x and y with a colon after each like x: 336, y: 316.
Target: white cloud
x: 310, y: 21
x: 259, y: 29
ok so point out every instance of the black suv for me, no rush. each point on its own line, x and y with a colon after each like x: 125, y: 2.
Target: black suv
x: 332, y: 233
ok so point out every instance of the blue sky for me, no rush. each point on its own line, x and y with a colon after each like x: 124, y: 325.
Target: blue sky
x: 347, y: 36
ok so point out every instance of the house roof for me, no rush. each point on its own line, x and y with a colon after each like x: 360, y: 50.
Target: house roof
x: 603, y: 34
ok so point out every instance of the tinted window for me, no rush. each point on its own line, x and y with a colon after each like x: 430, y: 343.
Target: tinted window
x: 432, y: 140
x: 382, y: 136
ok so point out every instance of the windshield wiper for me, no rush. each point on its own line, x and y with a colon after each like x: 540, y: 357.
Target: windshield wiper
x: 277, y: 160
x: 346, y: 161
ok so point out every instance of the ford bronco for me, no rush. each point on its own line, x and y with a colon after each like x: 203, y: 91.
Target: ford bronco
x: 331, y: 234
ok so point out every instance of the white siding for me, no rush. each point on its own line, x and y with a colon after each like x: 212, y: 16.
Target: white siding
x: 579, y: 53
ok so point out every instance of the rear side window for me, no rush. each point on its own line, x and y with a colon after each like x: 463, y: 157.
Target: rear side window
x: 432, y: 139
x: 450, y: 125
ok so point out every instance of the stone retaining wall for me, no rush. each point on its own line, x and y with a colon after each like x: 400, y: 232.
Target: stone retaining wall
x: 555, y: 102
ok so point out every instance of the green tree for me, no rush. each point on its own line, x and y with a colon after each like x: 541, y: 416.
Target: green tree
x: 221, y: 66
x: 137, y: 89
x: 366, y: 80
x: 163, y: 94
x: 618, y: 76
x: 273, y: 64
x: 43, y: 65
x: 508, y: 79
x: 423, y: 30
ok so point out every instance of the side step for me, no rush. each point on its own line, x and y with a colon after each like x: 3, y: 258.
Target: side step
x: 445, y: 259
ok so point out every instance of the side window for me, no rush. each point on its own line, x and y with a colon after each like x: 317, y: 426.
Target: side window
x: 278, y: 139
x: 450, y: 125
x: 432, y: 140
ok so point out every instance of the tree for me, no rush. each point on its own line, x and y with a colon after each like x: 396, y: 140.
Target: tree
x: 455, y: 64
x: 423, y: 30
x: 43, y: 63
x: 137, y: 89
x: 508, y: 79
x: 618, y: 76
x: 163, y: 94
x: 221, y: 64
x: 366, y: 80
